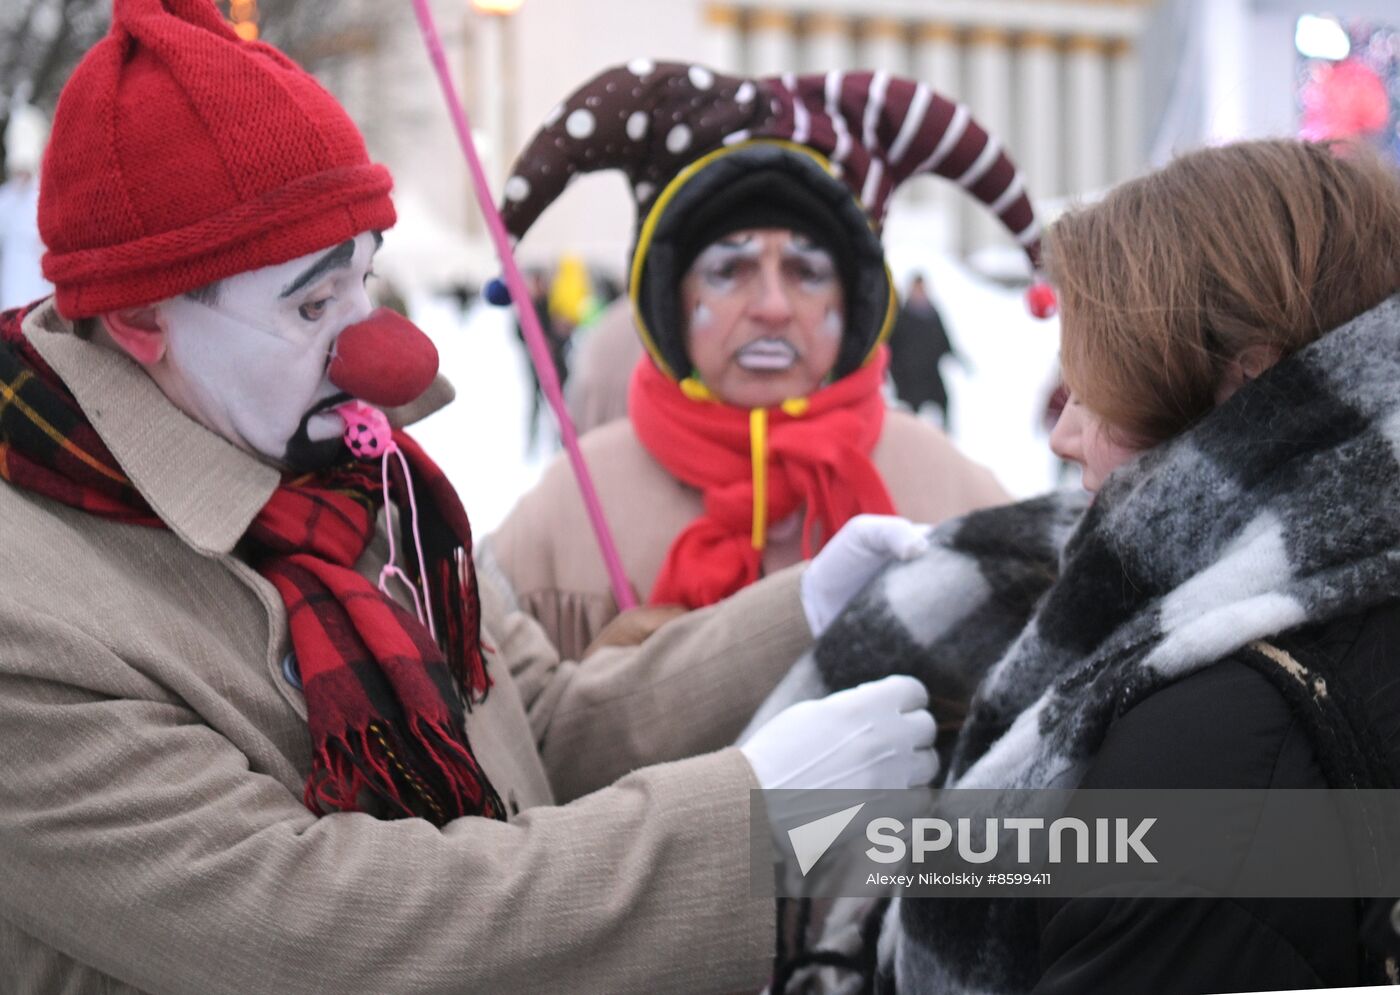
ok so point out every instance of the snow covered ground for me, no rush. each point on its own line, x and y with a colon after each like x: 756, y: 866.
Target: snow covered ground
x: 480, y: 439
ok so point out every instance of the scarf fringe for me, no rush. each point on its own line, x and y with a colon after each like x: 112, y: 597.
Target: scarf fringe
x: 457, y: 612
x: 425, y: 774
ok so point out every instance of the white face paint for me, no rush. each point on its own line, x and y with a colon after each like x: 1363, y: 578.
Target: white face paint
x: 766, y: 314
x: 251, y: 364
x: 835, y: 323
x: 767, y: 354
x: 719, y: 265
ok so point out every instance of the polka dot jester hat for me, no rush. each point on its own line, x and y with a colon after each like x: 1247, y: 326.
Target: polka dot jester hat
x: 707, y: 153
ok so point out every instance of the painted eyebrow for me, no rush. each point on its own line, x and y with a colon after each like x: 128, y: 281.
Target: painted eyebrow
x: 337, y: 257
x: 806, y: 252
x: 726, y: 250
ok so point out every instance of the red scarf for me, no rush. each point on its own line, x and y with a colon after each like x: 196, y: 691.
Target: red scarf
x: 818, y: 460
x: 385, y: 705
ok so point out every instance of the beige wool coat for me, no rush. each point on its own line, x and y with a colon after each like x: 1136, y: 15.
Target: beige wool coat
x: 547, y: 551
x: 152, y: 833
x: 600, y: 367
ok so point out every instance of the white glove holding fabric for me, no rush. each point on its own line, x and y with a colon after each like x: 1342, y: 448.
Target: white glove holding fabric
x: 854, y: 555
x: 878, y: 735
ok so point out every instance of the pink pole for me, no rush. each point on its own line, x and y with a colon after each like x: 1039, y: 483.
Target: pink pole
x: 529, y: 322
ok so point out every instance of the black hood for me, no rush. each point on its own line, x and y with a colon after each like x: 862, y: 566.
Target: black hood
x: 760, y: 184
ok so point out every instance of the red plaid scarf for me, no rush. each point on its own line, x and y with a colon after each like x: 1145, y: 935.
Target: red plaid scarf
x: 385, y: 705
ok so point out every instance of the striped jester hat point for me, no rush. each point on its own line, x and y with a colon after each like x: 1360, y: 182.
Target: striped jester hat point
x: 824, y: 151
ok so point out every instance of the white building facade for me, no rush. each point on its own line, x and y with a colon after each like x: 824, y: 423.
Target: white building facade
x: 1060, y: 81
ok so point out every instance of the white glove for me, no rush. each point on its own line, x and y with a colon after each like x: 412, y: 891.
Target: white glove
x: 854, y: 555
x: 878, y: 735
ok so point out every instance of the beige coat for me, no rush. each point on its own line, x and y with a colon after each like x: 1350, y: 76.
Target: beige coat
x: 546, y: 547
x: 152, y: 835
x: 601, y: 368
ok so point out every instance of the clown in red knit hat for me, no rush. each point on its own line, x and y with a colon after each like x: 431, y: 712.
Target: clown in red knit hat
x: 757, y: 426
x: 263, y: 729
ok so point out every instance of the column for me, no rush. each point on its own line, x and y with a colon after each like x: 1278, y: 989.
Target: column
x: 490, y: 70
x: 1037, y: 137
x: 989, y: 99
x: 722, y: 37
x: 938, y: 62
x: 772, y: 43
x: 1086, y: 130
x: 1225, y: 60
x: 826, y: 42
x: 882, y: 46
x: 1126, y: 99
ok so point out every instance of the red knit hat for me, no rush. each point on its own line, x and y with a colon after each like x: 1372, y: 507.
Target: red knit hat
x: 182, y: 154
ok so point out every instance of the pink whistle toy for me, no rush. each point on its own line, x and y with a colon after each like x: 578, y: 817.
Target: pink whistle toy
x: 367, y: 431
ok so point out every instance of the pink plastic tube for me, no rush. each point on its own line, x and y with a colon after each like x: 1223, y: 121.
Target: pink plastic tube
x: 529, y: 322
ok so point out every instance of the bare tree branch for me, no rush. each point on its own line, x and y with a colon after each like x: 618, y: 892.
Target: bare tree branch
x: 41, y: 41
x: 22, y: 28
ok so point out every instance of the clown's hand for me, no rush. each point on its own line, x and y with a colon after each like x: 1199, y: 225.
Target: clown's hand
x: 878, y: 735
x: 852, y: 558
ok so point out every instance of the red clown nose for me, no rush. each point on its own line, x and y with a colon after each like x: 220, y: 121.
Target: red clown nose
x: 385, y: 360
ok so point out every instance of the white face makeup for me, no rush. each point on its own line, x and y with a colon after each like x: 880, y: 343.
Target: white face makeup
x: 765, y: 314
x: 251, y: 364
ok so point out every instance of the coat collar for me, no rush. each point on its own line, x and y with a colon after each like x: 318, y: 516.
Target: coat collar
x: 206, y: 490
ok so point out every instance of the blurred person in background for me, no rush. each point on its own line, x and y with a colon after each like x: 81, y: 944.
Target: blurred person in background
x: 541, y: 297
x: 233, y: 763
x: 918, y: 343
x: 1221, y: 610
x: 761, y: 294
x: 572, y: 302
x: 21, y: 278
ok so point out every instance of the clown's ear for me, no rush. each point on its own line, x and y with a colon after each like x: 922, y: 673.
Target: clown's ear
x: 137, y: 331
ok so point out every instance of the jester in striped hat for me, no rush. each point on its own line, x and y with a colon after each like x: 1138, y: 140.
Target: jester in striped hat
x: 759, y: 288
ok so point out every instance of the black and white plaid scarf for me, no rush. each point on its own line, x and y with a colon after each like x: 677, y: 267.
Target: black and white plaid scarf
x: 1281, y: 508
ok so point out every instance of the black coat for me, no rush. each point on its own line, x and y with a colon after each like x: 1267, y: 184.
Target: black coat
x: 917, y: 342
x: 1231, y: 726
